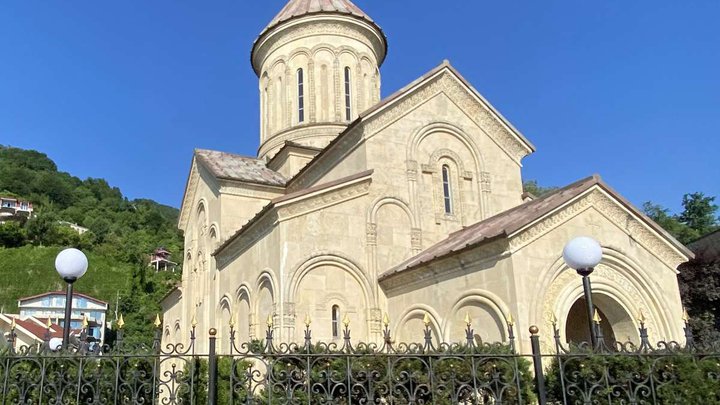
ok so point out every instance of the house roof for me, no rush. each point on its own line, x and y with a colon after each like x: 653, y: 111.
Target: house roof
x: 508, y: 222
x: 62, y: 293
x: 36, y: 327
x: 229, y: 166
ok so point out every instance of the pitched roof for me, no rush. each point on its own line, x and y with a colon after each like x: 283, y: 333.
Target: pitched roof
x: 63, y: 293
x: 299, y: 8
x: 508, y: 222
x: 229, y: 166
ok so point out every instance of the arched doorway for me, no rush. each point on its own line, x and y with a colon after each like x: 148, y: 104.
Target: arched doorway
x: 616, y: 324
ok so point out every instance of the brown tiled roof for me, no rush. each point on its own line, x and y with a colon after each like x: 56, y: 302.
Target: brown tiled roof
x: 235, y: 167
x: 510, y: 221
x: 35, y: 326
x: 299, y: 8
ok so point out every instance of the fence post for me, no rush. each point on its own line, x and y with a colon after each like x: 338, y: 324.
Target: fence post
x: 212, y: 369
x: 537, y: 362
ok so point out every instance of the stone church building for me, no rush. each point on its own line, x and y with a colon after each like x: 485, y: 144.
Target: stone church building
x: 410, y: 205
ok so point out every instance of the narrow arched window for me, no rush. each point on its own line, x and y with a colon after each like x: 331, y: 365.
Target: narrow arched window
x: 335, y: 321
x: 447, y: 198
x: 301, y: 95
x: 348, y: 110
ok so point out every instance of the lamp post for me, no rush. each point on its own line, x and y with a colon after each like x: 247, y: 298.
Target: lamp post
x: 71, y: 264
x: 582, y: 254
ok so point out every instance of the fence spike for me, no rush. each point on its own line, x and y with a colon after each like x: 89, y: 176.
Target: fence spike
x: 158, y: 322
x: 120, y: 322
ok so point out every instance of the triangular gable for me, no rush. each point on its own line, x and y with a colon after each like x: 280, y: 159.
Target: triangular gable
x: 446, y: 79
x: 442, y: 79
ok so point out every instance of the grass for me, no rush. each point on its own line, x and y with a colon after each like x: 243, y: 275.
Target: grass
x: 30, y: 270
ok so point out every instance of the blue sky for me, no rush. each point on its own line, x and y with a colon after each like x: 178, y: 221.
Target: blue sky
x: 126, y: 90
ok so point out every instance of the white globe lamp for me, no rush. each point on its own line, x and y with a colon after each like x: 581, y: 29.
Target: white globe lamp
x: 582, y: 254
x: 71, y: 264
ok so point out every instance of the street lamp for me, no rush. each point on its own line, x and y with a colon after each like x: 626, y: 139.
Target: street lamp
x: 582, y: 254
x: 71, y: 264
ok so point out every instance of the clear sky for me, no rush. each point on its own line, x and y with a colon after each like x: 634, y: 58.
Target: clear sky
x: 125, y: 90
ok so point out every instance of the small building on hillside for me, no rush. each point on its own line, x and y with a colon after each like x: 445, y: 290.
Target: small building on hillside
x: 160, y: 260
x: 75, y: 227
x: 12, y: 208
x: 52, y: 305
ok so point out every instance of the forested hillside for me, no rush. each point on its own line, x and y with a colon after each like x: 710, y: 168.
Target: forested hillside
x: 122, y: 233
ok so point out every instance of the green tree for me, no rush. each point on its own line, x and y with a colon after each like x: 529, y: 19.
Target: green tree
x: 12, y: 235
x: 699, y: 213
x: 532, y: 187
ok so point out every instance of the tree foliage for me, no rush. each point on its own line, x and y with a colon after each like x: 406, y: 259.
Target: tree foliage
x: 120, y: 230
x: 699, y: 279
x: 532, y: 187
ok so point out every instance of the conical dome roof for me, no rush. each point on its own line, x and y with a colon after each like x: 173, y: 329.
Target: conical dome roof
x: 299, y: 8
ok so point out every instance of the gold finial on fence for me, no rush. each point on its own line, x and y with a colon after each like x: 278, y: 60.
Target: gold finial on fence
x: 231, y: 322
x: 308, y: 321
x: 193, y: 321
x: 85, y: 322
x: 510, y: 320
x: 641, y: 316
x: 49, y: 324
x: 553, y: 318
x: 468, y: 321
x: 426, y: 319
x: 13, y: 324
x: 685, y: 316
x: 158, y: 322
x: 121, y: 322
x: 596, y: 317
x: 346, y: 320
x: 386, y: 320
x: 270, y: 320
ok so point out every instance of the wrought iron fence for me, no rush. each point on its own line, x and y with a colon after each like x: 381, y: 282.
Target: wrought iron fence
x: 427, y: 372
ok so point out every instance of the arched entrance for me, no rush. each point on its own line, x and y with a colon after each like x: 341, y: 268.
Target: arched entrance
x: 616, y: 324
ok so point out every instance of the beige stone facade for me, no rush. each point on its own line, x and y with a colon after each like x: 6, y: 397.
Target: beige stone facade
x: 412, y: 206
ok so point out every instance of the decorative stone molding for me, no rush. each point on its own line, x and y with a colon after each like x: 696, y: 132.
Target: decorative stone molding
x: 569, y: 279
x: 615, y: 213
x: 416, y: 239
x: 458, y: 92
x: 412, y: 169
x: 451, y: 266
x: 324, y: 200
x: 375, y: 320
x: 315, y: 28
x: 371, y: 234
x: 485, y: 182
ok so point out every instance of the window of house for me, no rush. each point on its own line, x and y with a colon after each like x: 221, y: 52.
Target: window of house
x: 301, y: 96
x: 335, y: 321
x: 447, y: 198
x: 348, y: 110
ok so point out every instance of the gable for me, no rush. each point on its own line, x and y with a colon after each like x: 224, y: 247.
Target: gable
x: 442, y: 80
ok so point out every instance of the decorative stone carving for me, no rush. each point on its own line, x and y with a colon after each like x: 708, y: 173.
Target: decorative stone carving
x: 485, y: 183
x: 325, y: 200
x: 371, y: 234
x: 477, y: 111
x: 416, y: 239
x: 613, y: 211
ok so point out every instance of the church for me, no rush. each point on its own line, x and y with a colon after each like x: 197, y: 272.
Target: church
x: 411, y: 207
